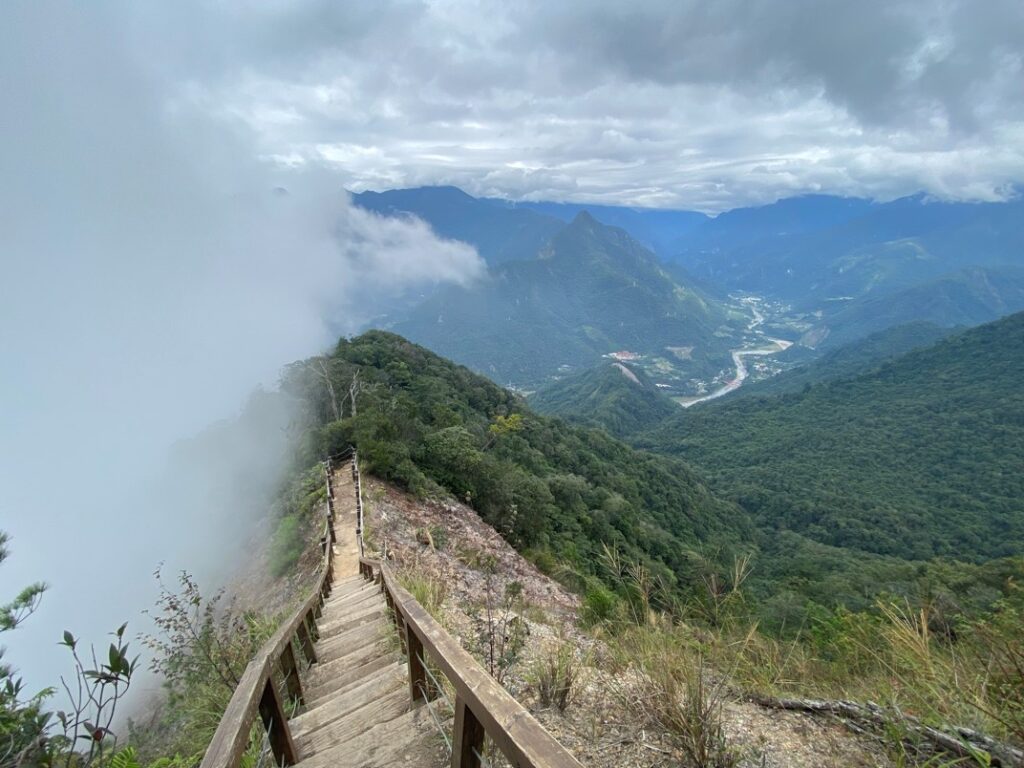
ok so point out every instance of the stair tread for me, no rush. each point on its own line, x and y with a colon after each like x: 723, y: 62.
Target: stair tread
x: 408, y: 740
x: 351, y: 601
x: 390, y: 705
x: 334, y: 629
x: 333, y: 715
x: 348, y: 677
x: 340, y: 660
x: 365, y: 630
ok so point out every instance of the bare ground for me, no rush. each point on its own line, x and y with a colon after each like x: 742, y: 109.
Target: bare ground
x: 449, y: 542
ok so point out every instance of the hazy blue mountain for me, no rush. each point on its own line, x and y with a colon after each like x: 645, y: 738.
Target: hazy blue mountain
x: 873, y: 249
x: 969, y: 297
x: 658, y: 230
x: 592, y: 290
x: 614, y: 395
x: 499, y: 233
x: 791, y: 216
x: 920, y: 457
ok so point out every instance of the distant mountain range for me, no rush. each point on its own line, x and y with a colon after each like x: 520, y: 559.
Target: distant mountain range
x: 592, y: 290
x: 499, y: 233
x: 969, y: 297
x: 810, y: 249
x: 569, y: 283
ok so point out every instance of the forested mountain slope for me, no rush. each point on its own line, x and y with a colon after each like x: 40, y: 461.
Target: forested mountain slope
x: 969, y: 297
x: 845, y: 362
x: 615, y: 396
x: 921, y: 457
x: 562, y: 493
x: 591, y: 291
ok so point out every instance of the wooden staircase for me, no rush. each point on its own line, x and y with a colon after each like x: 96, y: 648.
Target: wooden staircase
x: 368, y: 697
x: 358, y: 711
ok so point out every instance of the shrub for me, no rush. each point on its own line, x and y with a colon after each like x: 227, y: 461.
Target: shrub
x: 286, y: 546
x: 599, y: 605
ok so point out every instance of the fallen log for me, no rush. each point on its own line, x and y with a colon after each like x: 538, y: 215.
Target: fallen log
x: 962, y: 742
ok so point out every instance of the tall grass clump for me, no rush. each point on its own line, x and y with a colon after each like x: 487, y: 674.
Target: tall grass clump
x: 555, y: 675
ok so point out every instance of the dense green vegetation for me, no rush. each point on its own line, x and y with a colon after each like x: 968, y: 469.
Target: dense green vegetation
x: 558, y: 492
x: 616, y: 396
x: 846, y: 362
x: 965, y: 298
x: 592, y: 290
x: 562, y: 493
x: 917, y: 459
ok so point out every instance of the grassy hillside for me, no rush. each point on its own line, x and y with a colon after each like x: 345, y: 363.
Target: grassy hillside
x: 919, y: 458
x: 615, y: 396
x: 562, y: 493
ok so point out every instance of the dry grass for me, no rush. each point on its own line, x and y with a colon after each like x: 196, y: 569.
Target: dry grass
x: 555, y: 675
x: 664, y: 675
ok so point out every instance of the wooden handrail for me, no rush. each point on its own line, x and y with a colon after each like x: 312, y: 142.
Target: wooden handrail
x: 359, y: 500
x: 256, y: 692
x: 482, y: 705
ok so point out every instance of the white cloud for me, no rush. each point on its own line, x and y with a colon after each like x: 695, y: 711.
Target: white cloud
x: 663, y: 103
x: 152, y: 273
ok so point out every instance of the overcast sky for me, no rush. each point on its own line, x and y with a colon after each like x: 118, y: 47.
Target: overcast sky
x: 669, y: 103
x: 150, y: 276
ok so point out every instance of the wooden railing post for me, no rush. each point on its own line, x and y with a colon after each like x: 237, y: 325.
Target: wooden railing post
x: 290, y: 670
x: 468, y: 738
x: 419, y: 684
x: 306, y: 637
x: 274, y: 720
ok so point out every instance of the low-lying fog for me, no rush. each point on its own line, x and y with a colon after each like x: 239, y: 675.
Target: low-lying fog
x: 153, y: 272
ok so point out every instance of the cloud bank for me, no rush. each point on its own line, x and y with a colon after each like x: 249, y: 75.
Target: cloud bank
x: 153, y: 271
x: 668, y: 103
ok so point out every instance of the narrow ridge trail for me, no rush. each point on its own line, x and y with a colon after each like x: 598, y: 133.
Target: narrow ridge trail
x: 357, y: 711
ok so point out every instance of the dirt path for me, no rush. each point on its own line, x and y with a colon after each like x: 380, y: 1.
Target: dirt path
x: 346, y: 548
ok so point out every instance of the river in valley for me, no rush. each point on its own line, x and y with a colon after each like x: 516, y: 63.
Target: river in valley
x: 770, y: 347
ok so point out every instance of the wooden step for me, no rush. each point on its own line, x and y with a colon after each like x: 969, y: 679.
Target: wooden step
x: 409, y: 740
x: 347, y: 586
x: 358, y: 708
x: 347, y: 678
x: 370, y: 641
x: 362, y: 614
x: 386, y: 707
x: 368, y: 632
x: 339, y: 607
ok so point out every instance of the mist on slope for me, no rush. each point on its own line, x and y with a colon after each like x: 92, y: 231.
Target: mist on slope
x: 153, y: 272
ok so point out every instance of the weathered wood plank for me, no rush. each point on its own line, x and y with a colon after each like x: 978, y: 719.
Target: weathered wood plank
x: 358, y: 698
x: 349, y: 677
